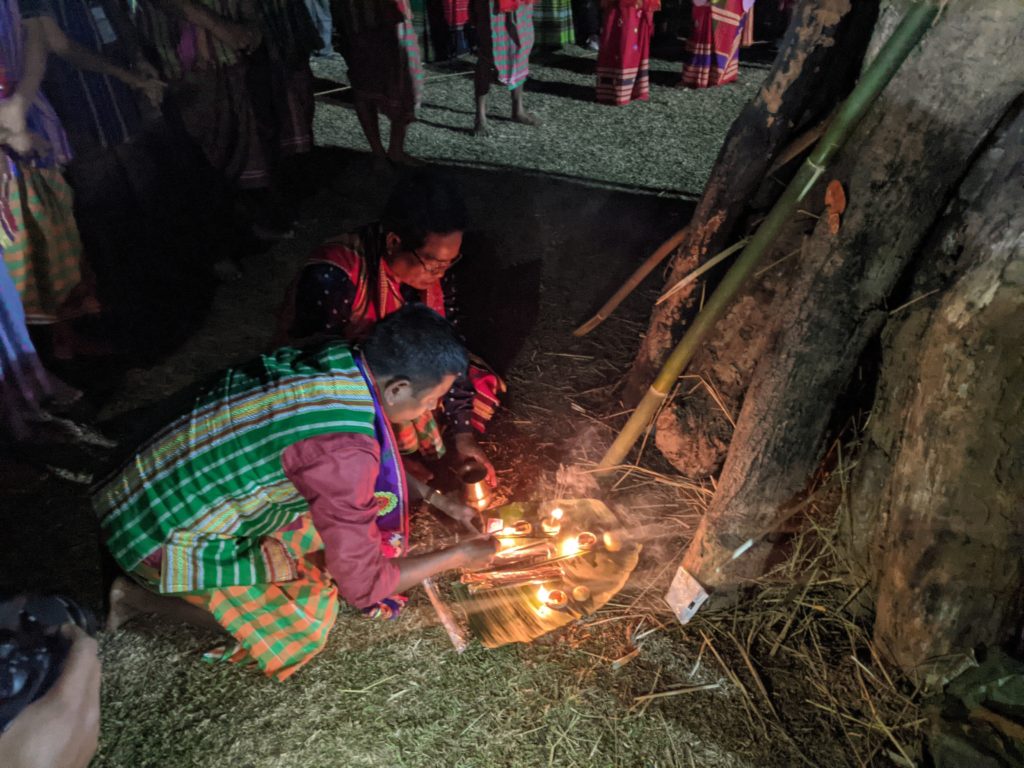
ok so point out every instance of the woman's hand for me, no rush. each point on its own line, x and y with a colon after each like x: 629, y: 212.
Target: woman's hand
x: 479, y: 552
x: 13, y: 113
x: 151, y: 87
x: 468, y: 449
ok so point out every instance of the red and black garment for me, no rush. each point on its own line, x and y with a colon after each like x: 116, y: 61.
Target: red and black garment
x: 346, y: 286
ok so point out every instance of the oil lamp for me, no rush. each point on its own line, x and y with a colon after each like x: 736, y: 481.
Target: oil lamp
x: 551, y: 598
x: 552, y: 524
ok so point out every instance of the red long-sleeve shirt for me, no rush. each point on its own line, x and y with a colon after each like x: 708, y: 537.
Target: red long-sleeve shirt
x: 336, y: 474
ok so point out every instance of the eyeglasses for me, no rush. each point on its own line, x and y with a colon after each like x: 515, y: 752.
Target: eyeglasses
x: 434, y: 266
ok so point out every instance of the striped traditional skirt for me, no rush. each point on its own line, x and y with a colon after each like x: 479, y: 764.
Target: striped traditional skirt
x: 283, y: 104
x: 383, y: 55
x: 713, y: 50
x: 505, y: 41
x: 278, y: 626
x: 552, y: 24
x: 217, y: 111
x: 45, y: 255
x: 624, y: 59
x: 456, y: 13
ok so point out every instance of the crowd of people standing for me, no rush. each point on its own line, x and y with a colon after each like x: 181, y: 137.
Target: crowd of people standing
x: 141, y: 138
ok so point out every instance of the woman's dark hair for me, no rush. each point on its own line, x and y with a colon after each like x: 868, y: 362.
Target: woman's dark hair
x: 417, y: 344
x: 421, y: 204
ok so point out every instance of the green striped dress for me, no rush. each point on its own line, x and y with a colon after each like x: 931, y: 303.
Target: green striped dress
x: 204, y: 511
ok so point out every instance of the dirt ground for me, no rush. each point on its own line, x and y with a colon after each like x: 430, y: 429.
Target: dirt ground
x: 544, y: 251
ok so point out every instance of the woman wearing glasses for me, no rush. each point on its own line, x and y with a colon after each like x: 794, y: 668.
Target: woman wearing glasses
x: 353, y: 280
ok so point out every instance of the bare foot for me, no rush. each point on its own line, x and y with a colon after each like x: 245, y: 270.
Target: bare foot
x: 121, y: 609
x: 482, y: 128
x: 526, y: 118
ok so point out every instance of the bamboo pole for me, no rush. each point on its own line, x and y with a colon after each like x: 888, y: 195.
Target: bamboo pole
x: 872, y: 81
x: 706, y: 266
x: 634, y: 280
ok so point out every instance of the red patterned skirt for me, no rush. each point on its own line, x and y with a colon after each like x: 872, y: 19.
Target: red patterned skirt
x: 624, y: 59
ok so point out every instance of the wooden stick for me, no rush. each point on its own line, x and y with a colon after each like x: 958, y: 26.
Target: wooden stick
x: 676, y: 692
x: 455, y: 633
x: 709, y: 264
x: 634, y: 280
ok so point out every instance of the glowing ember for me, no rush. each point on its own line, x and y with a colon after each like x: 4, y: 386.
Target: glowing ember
x: 586, y: 540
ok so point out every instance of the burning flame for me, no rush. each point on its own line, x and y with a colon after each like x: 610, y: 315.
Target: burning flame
x: 556, y: 513
x: 542, y: 610
x: 570, y: 547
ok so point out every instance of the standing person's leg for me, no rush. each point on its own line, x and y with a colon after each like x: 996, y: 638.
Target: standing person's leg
x: 483, y: 20
x: 396, y: 143
x: 403, y: 89
x: 521, y: 35
x: 369, y: 121
x: 519, y: 113
x: 586, y: 18
x: 481, y: 87
x: 320, y: 13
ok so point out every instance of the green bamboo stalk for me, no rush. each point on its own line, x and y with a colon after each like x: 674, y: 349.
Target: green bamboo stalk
x: 872, y: 82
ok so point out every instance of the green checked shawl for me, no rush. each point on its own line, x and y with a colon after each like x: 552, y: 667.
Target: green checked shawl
x: 210, y: 487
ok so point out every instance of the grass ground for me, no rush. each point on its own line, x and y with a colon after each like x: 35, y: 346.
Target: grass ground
x: 666, y: 145
x: 553, y: 235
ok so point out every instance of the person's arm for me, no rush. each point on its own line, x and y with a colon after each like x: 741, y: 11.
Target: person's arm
x: 14, y: 109
x: 458, y: 412
x: 81, y: 57
x: 323, y: 302
x: 336, y: 474
x: 474, y: 553
x: 62, y: 727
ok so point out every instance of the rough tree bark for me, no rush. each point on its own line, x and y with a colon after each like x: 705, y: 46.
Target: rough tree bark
x: 791, y: 96
x: 942, y: 488
x: 899, y: 169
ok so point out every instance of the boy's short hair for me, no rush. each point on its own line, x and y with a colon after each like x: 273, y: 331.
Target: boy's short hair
x: 417, y: 344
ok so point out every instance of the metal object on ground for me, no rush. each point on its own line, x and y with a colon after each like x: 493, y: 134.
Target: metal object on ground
x: 475, y: 491
x: 685, y: 596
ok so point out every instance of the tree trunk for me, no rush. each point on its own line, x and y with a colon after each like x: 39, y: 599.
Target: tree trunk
x: 950, y: 545
x: 899, y: 169
x: 820, y: 55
